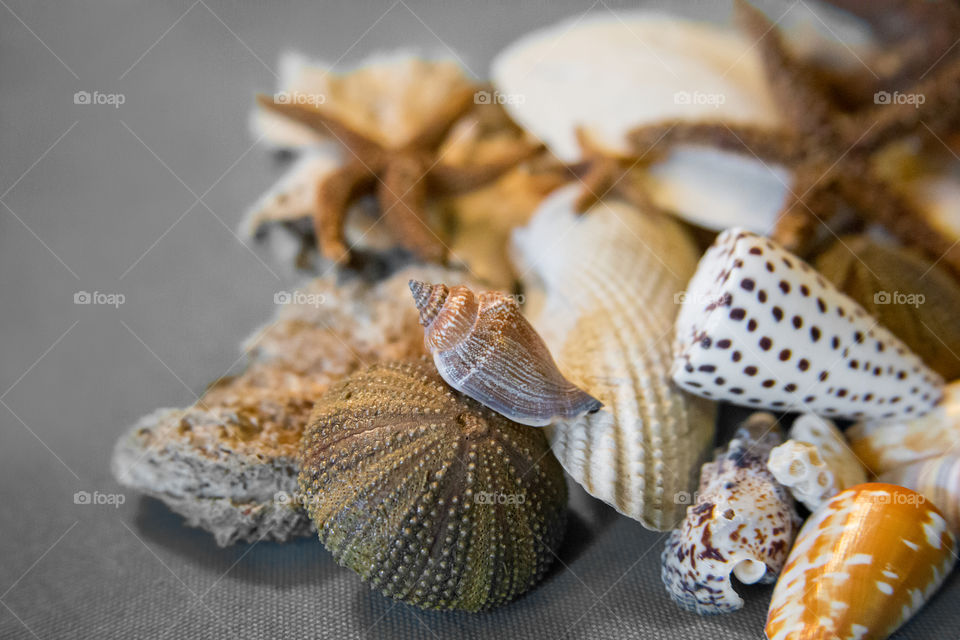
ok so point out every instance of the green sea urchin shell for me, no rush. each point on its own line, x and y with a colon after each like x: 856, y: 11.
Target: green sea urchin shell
x: 434, y: 499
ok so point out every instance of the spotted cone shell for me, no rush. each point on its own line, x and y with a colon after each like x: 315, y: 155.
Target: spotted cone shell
x: 600, y: 290
x: 434, y: 499
x: 862, y: 565
x: 759, y: 327
x: 742, y: 524
x: 484, y: 347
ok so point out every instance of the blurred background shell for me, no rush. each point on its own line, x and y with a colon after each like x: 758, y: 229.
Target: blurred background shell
x: 602, y: 290
x: 434, y: 499
x: 937, y: 479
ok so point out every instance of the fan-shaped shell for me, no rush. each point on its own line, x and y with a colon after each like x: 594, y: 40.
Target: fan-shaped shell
x: 434, y: 499
x: 601, y: 291
x: 483, y: 346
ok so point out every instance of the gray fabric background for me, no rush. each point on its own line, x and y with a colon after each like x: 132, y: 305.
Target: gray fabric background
x: 143, y: 200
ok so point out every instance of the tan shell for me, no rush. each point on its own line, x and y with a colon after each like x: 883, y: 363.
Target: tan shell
x: 886, y: 445
x: 484, y: 347
x: 601, y: 291
x: 862, y: 565
x: 938, y: 479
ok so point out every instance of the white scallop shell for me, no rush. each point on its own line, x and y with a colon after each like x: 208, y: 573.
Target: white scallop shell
x: 601, y: 291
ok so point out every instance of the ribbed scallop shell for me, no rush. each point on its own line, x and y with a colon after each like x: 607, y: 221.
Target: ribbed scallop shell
x: 886, y: 445
x: 937, y: 479
x: 434, y: 499
x: 861, y: 566
x: 601, y: 291
x: 484, y: 347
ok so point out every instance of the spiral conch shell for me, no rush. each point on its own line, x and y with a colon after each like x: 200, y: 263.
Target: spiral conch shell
x: 937, y: 479
x: 742, y: 524
x: 484, y: 347
x: 601, y: 291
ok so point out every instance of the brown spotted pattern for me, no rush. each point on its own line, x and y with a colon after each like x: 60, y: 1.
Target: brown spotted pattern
x: 760, y: 328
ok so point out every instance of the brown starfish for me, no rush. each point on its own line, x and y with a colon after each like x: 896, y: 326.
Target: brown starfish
x: 832, y: 152
x: 402, y: 177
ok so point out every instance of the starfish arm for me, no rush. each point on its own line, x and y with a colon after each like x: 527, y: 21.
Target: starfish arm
x: 810, y: 202
x: 877, y: 199
x: 402, y: 195
x: 453, y: 180
x: 440, y: 123
x: 315, y: 118
x: 334, y: 195
x: 597, y: 181
x: 799, y: 92
x: 769, y: 145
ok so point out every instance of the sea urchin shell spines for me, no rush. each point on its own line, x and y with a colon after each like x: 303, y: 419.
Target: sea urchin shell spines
x: 429, y: 496
x: 484, y: 347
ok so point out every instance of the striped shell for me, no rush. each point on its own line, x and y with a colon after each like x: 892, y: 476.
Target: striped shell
x: 862, y: 565
x: 484, y: 347
x: 759, y: 327
x: 600, y: 290
x: 429, y: 496
x: 742, y: 524
x: 886, y: 445
x: 938, y: 479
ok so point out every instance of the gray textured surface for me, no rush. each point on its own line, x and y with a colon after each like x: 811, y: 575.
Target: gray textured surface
x: 86, y: 205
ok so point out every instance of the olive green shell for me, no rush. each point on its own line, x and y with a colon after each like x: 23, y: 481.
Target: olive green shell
x: 434, y: 499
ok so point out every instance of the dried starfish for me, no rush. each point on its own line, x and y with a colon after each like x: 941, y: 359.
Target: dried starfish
x: 832, y: 152
x: 401, y: 176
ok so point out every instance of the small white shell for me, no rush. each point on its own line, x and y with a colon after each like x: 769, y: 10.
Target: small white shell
x: 742, y: 524
x: 816, y: 463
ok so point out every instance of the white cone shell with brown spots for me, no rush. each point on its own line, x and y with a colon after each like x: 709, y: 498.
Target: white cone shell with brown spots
x: 861, y: 566
x: 760, y: 328
x: 600, y: 290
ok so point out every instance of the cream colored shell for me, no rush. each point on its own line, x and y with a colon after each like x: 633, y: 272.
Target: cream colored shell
x: 602, y: 291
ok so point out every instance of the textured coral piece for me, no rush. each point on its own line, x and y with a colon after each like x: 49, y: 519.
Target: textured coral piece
x: 484, y: 347
x: 937, y: 479
x: 601, y: 291
x: 886, y: 445
x: 742, y: 524
x: 816, y: 463
x: 759, y: 327
x: 222, y: 462
x: 426, y: 494
x: 861, y: 566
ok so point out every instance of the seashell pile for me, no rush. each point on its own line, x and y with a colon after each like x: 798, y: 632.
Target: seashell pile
x: 605, y: 284
x: 741, y: 525
x: 617, y: 301
x: 433, y: 499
